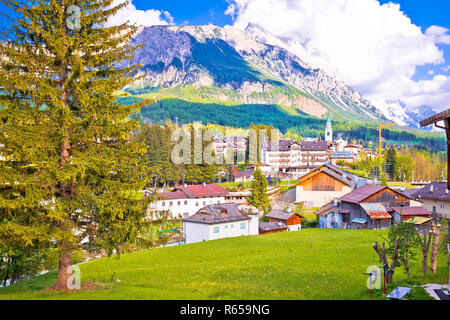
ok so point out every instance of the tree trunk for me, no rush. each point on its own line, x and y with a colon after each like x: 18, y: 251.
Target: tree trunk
x: 434, y: 248
x: 65, y: 266
x: 382, y: 255
x: 406, y: 264
x: 425, y: 243
x: 65, y: 248
x: 7, y: 272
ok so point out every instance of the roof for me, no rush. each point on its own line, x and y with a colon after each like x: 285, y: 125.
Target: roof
x: 411, y: 211
x: 410, y: 192
x: 272, y: 226
x: 360, y: 220
x: 201, y: 191
x: 281, y: 215
x: 375, y: 210
x: 219, y: 213
x: 437, y: 117
x: 315, y: 145
x: 337, y: 173
x: 244, y: 173
x: 439, y: 192
x: 281, y: 145
x: 418, y: 220
x: 362, y: 193
x: 172, y: 195
x: 326, y: 209
x: 342, y: 154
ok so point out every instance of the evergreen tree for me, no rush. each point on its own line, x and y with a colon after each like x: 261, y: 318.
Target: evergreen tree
x: 258, y: 192
x: 72, y: 167
x: 391, y: 162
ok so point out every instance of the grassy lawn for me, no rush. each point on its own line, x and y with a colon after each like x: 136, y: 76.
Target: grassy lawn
x: 306, y: 264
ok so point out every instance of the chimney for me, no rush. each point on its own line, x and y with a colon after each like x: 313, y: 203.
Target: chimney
x: 185, y: 185
x: 431, y: 188
x: 204, y: 184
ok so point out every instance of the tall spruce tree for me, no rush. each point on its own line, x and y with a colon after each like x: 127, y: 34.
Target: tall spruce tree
x: 71, y: 164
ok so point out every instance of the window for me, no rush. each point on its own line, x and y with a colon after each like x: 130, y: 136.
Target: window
x: 185, y: 202
x: 442, y: 205
x: 196, y: 204
x: 163, y: 204
x: 232, y: 226
x: 204, y: 203
x: 243, y: 226
x: 226, y: 227
x: 170, y: 203
x: 216, y: 229
x: 178, y: 203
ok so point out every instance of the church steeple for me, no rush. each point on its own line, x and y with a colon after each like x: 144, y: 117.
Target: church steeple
x: 328, y: 130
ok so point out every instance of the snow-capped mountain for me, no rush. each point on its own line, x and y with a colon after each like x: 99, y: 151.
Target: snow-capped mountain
x: 249, y: 66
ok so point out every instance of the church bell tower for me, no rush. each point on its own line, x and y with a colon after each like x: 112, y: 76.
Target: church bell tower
x: 328, y: 130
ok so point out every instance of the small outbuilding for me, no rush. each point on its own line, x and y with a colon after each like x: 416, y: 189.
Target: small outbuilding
x: 272, y: 227
x: 293, y: 220
x: 405, y: 213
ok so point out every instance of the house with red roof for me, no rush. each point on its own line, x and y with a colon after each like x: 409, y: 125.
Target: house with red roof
x: 406, y: 213
x: 186, y: 200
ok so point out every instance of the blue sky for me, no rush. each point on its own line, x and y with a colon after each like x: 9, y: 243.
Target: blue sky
x: 422, y: 12
x: 376, y: 48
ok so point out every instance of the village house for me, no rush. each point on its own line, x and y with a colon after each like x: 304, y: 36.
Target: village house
x: 363, y: 208
x: 186, y: 200
x: 404, y: 213
x: 264, y: 167
x: 224, y: 146
x: 292, y: 220
x: 272, y: 227
x: 219, y: 221
x: 240, y: 197
x: 356, y: 149
x: 243, y: 176
x: 314, y: 153
x: 346, y: 156
x: 323, y: 184
x: 435, y: 197
x: 281, y: 155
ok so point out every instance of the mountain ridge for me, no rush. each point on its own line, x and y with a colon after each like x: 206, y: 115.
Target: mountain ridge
x: 238, y: 67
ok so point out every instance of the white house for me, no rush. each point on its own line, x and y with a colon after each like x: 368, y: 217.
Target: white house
x: 187, y: 200
x: 282, y: 154
x: 219, y: 221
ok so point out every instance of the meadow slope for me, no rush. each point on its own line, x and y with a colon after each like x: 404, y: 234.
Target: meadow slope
x: 306, y: 264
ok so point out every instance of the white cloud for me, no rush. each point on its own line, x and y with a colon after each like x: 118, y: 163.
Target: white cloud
x: 436, y: 31
x: 139, y: 17
x: 375, y: 47
x: 439, y: 34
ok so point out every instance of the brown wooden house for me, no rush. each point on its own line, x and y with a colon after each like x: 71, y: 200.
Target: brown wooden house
x: 366, y: 207
x: 272, y: 227
x: 323, y: 184
x: 291, y: 219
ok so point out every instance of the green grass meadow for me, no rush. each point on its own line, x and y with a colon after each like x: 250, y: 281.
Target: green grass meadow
x: 306, y: 264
